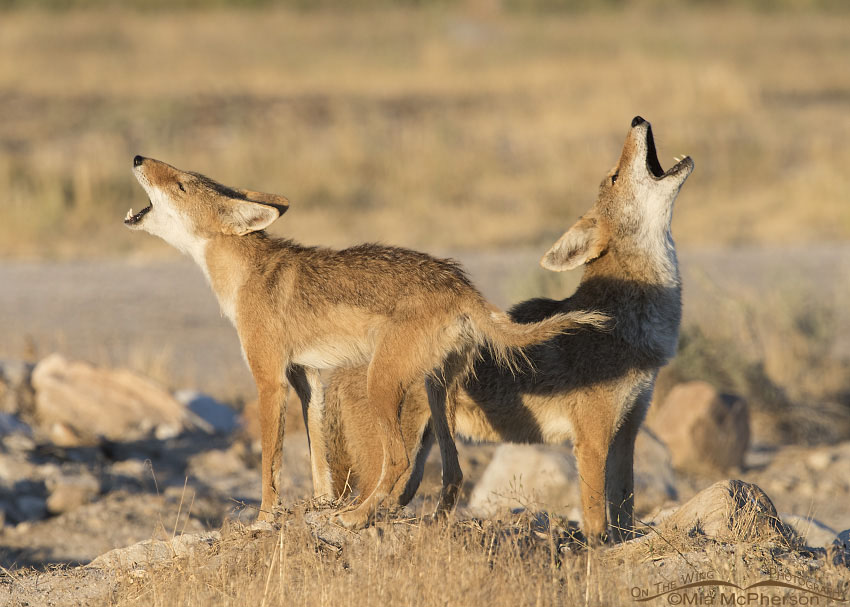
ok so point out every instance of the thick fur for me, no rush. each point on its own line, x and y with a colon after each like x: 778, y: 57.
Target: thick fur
x: 590, y: 387
x: 411, y: 319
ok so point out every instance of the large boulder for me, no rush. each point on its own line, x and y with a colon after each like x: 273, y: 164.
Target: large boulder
x: 729, y: 510
x: 706, y: 431
x: 546, y: 477
x: 90, y: 403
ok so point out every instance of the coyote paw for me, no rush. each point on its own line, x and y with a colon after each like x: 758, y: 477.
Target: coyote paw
x: 322, y: 502
x: 353, y: 519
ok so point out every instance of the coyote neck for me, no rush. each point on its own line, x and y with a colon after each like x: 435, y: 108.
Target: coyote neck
x: 229, y: 262
x: 646, y: 305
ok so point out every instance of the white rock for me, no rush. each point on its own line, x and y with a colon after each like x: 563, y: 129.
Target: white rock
x: 70, y: 492
x: 546, y: 478
x: 727, y: 510
x: 95, y: 403
x: 152, y: 552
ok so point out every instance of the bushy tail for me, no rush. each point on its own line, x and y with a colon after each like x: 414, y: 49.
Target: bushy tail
x: 506, y: 339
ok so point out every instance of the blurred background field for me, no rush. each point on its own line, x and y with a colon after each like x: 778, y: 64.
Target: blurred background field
x: 478, y: 129
x: 447, y: 125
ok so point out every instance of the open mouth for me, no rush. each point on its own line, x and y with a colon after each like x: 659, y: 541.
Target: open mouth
x: 652, y: 164
x: 132, y: 219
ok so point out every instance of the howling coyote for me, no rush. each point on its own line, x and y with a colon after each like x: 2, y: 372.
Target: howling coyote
x: 590, y: 387
x: 413, y: 320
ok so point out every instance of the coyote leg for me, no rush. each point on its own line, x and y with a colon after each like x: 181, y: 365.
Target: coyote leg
x: 421, y: 447
x: 592, y: 442
x: 311, y: 392
x: 387, y: 379
x: 621, y: 479
x: 441, y: 387
x: 272, y: 394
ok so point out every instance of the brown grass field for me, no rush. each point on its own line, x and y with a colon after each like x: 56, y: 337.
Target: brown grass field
x: 472, y: 130
x: 456, y: 129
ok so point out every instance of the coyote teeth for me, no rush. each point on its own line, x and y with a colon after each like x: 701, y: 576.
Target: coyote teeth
x: 129, y: 214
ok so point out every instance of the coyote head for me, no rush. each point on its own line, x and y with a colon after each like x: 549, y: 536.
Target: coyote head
x: 632, y: 214
x: 188, y: 208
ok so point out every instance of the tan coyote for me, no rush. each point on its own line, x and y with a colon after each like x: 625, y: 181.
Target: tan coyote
x: 590, y: 387
x: 415, y: 320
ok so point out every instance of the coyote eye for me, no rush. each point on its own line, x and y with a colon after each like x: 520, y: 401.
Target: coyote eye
x: 180, y: 185
x: 614, y: 177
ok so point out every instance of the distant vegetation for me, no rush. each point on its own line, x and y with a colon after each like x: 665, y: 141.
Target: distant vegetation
x: 438, y: 129
x: 543, y: 6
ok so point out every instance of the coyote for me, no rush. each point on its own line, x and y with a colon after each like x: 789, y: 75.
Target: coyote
x: 413, y: 318
x: 590, y: 387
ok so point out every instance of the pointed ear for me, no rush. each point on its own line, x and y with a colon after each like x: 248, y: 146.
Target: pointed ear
x: 583, y: 242
x: 244, y: 216
x: 275, y: 200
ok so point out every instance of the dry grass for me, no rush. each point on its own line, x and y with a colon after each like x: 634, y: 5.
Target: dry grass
x: 516, y: 562
x: 780, y: 351
x: 464, y: 129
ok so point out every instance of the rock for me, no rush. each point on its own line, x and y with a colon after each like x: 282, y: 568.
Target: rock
x: 14, y: 468
x: 18, y: 443
x: 820, y: 460
x: 728, y: 510
x: 63, y: 435
x: 546, y: 476
x: 521, y: 475
x: 705, y: 431
x: 214, y: 417
x: 815, y: 533
x: 135, y: 469
x: 67, y: 493
x: 15, y: 388
x: 99, y: 403
x: 153, y: 552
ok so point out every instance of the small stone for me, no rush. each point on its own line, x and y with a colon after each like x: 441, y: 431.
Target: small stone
x: 819, y: 460
x: 63, y: 435
x: 69, y: 493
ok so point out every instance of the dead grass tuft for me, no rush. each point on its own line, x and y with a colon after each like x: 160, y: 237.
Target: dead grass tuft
x: 524, y: 561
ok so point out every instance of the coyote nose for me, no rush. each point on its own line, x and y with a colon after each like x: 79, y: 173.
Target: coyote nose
x: 138, y: 160
x: 637, y: 120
